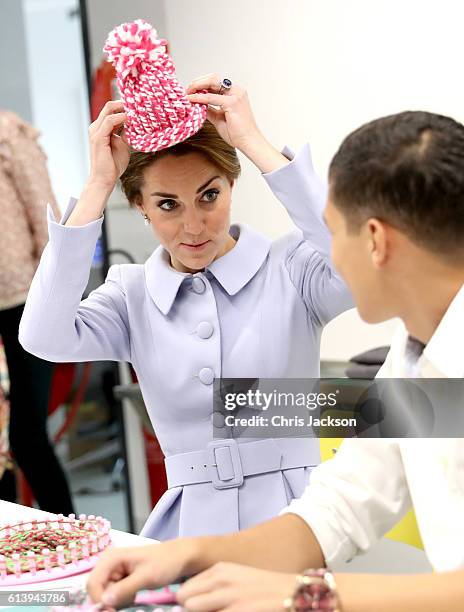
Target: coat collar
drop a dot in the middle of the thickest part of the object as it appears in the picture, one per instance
(233, 270)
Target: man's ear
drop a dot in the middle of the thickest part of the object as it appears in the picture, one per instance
(379, 243)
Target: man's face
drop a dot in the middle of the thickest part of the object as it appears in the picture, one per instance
(359, 255)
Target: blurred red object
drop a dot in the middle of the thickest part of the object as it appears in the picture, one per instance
(61, 392)
(103, 88)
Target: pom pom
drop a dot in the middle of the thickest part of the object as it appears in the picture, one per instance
(131, 44)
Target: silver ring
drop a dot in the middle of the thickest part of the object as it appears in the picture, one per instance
(224, 85)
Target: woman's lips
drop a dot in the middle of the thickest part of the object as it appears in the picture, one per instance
(195, 247)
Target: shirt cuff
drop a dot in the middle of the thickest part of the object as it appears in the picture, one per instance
(72, 246)
(303, 155)
(67, 213)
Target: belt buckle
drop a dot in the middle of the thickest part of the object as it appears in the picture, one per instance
(234, 455)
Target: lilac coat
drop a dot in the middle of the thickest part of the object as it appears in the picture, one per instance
(258, 311)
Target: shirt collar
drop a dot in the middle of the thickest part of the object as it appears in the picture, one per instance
(445, 350)
(233, 270)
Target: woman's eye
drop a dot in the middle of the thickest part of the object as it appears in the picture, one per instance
(210, 195)
(167, 205)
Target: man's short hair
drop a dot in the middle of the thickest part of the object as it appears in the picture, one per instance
(407, 170)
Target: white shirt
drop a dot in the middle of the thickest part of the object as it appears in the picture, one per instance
(356, 497)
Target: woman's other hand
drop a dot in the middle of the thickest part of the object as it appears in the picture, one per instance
(109, 157)
(121, 572)
(231, 114)
(230, 587)
(109, 152)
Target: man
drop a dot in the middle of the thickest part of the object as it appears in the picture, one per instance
(396, 213)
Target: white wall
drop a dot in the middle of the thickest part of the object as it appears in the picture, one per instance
(14, 81)
(104, 15)
(316, 70)
(58, 91)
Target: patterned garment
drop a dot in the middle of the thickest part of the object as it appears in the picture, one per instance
(25, 191)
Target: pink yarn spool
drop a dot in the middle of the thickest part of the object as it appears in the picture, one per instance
(159, 115)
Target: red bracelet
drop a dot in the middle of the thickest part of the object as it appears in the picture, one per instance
(315, 590)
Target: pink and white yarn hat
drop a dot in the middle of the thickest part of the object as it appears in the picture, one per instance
(159, 115)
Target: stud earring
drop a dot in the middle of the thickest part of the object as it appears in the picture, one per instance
(146, 220)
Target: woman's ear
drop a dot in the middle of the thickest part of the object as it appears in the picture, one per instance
(138, 203)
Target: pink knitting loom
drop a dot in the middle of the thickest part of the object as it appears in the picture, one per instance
(42, 550)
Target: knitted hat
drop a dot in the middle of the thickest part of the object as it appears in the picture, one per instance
(158, 113)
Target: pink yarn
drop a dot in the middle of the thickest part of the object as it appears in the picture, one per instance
(158, 113)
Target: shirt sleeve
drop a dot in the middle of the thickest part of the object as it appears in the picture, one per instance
(355, 498)
(56, 325)
(303, 193)
(28, 165)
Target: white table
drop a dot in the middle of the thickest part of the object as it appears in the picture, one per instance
(10, 513)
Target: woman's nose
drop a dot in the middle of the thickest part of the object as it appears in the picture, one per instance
(193, 223)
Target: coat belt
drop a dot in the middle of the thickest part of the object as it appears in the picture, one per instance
(225, 463)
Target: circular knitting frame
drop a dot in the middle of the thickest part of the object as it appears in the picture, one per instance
(159, 115)
(41, 550)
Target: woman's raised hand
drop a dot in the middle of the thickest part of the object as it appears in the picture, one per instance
(109, 153)
(109, 157)
(231, 114)
(233, 117)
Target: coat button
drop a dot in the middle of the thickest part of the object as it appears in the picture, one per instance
(205, 330)
(218, 420)
(198, 284)
(206, 375)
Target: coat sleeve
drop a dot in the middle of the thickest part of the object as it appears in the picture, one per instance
(351, 501)
(304, 194)
(56, 325)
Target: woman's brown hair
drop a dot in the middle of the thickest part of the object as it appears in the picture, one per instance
(206, 141)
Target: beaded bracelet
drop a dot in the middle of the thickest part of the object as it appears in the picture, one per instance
(315, 590)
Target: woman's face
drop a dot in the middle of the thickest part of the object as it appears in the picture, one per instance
(187, 200)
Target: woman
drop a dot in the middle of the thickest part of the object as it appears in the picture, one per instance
(213, 300)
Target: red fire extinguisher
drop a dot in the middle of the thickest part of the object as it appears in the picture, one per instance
(104, 88)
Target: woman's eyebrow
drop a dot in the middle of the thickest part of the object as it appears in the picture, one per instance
(174, 195)
(207, 183)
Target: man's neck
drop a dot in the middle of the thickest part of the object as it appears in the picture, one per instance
(426, 303)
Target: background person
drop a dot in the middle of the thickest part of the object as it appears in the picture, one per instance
(24, 192)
